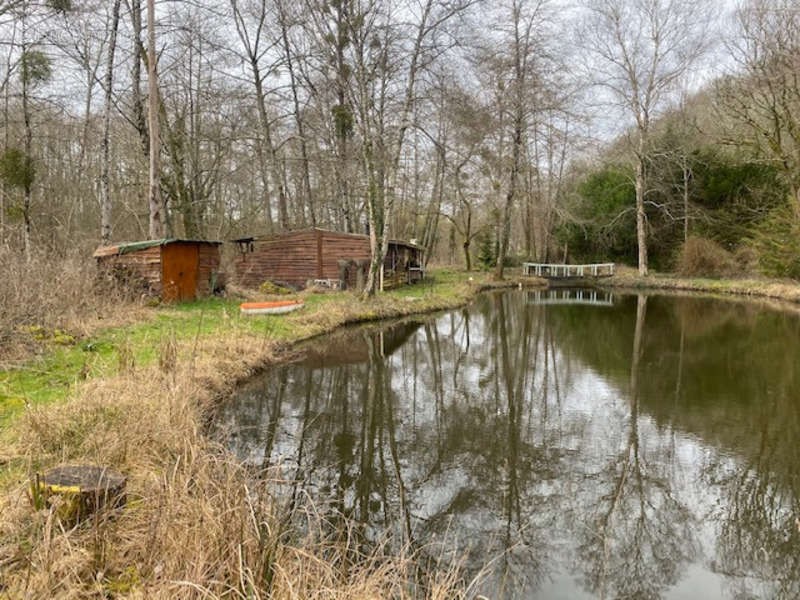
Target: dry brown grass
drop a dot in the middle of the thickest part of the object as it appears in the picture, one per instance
(56, 296)
(785, 290)
(197, 523)
(700, 257)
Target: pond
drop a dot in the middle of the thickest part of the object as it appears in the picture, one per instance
(589, 445)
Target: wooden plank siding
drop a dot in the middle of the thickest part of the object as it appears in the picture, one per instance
(144, 265)
(207, 268)
(341, 246)
(147, 266)
(290, 259)
(294, 258)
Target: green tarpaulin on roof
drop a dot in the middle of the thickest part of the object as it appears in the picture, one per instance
(128, 247)
(136, 246)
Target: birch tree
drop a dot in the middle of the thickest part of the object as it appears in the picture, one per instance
(515, 64)
(432, 18)
(108, 82)
(157, 209)
(640, 51)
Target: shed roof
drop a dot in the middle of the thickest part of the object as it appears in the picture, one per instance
(128, 247)
(296, 231)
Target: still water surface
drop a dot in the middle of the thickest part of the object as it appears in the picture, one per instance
(594, 447)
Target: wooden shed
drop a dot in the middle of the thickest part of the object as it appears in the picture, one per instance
(174, 269)
(340, 259)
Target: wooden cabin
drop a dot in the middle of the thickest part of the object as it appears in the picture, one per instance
(340, 260)
(173, 269)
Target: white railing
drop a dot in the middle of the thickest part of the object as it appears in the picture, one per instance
(557, 271)
(565, 296)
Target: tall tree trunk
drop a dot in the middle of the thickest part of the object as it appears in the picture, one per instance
(265, 183)
(505, 227)
(139, 118)
(343, 117)
(298, 119)
(105, 189)
(686, 176)
(377, 218)
(390, 170)
(6, 97)
(91, 77)
(157, 216)
(431, 228)
(266, 128)
(797, 202)
(27, 192)
(641, 219)
(520, 58)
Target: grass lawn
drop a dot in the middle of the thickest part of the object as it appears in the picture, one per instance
(56, 372)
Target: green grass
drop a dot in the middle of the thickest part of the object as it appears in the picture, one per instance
(54, 375)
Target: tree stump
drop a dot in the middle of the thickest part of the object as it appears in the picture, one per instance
(84, 490)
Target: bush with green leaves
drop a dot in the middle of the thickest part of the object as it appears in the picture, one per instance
(487, 251)
(607, 226)
(776, 241)
(35, 67)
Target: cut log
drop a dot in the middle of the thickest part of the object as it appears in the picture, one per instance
(84, 490)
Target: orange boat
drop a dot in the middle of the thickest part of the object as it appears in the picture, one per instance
(270, 308)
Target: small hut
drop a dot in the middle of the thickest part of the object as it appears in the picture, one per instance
(174, 269)
(313, 255)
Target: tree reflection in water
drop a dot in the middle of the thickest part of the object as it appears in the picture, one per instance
(642, 538)
(614, 452)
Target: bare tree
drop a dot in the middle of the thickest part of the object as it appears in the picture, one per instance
(157, 209)
(253, 28)
(35, 71)
(640, 50)
(514, 65)
(383, 124)
(764, 95)
(286, 22)
(105, 191)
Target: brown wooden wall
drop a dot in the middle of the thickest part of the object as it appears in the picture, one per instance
(288, 259)
(144, 265)
(297, 257)
(207, 266)
(341, 246)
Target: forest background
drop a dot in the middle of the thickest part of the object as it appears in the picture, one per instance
(647, 132)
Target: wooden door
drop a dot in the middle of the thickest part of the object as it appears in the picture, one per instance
(179, 264)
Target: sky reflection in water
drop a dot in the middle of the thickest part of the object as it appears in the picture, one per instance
(642, 449)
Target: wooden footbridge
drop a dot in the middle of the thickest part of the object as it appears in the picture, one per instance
(561, 297)
(561, 271)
